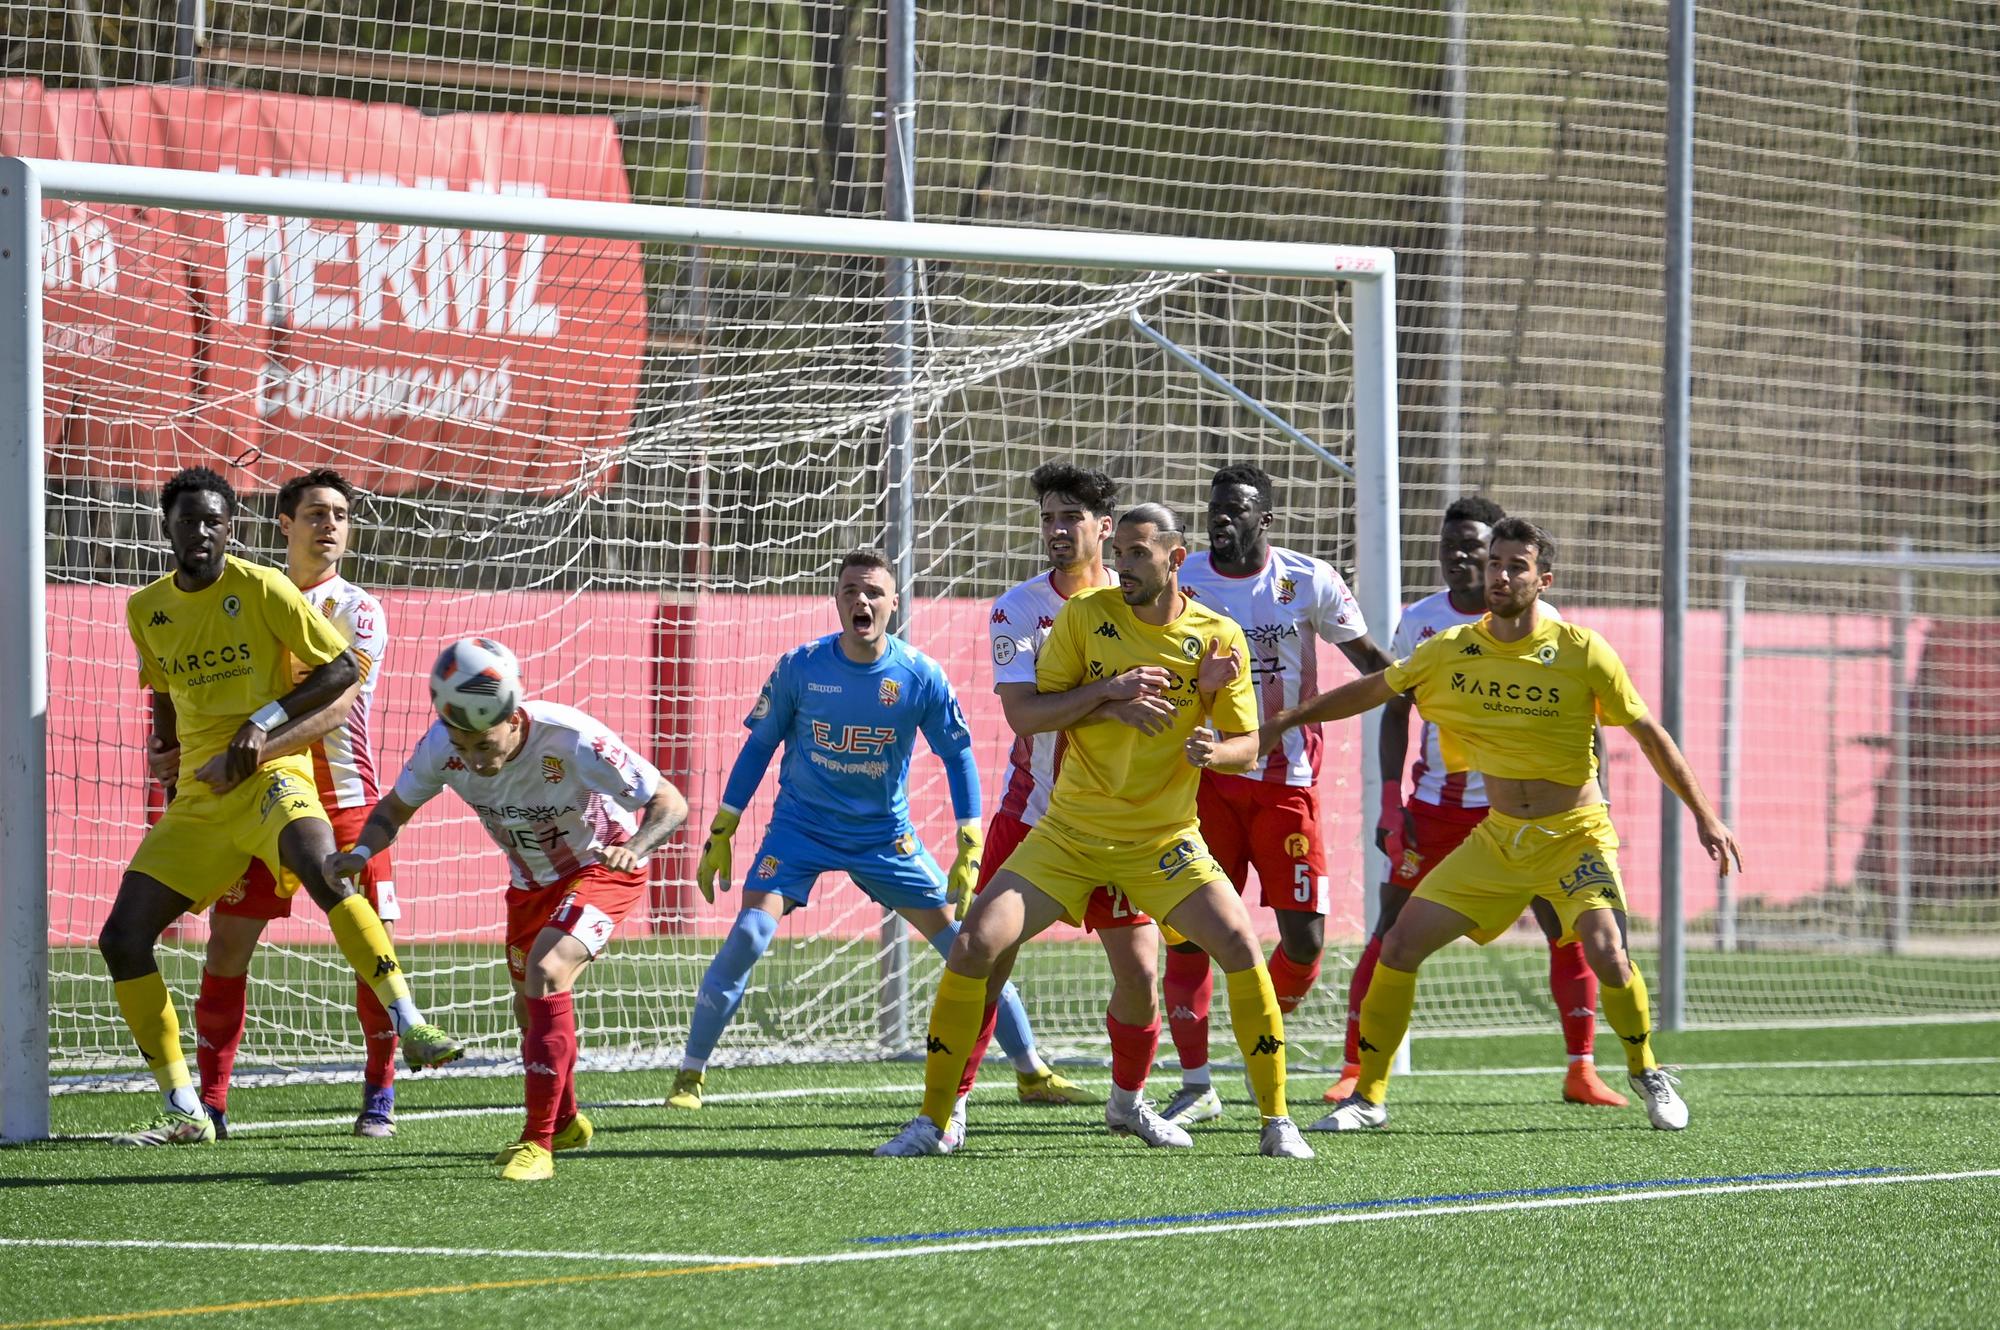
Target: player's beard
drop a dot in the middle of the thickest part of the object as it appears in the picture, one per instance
(1514, 605)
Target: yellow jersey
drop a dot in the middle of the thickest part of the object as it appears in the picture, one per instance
(1113, 781)
(1519, 710)
(224, 651)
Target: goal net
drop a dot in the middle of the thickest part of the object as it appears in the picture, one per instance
(636, 459)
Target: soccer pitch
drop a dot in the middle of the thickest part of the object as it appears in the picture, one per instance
(1845, 1175)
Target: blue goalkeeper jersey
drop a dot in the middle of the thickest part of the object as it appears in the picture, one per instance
(848, 732)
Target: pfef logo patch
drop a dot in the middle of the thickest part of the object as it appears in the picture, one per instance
(768, 867)
(552, 769)
(890, 692)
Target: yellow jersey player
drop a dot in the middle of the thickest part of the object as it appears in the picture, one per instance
(217, 640)
(1516, 696)
(1122, 815)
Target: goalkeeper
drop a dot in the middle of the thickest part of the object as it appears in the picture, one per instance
(847, 707)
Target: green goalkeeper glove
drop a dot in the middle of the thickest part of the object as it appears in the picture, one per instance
(715, 855)
(965, 869)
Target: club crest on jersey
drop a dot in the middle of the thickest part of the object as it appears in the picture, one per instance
(1191, 648)
(768, 867)
(1287, 589)
(1004, 650)
(906, 845)
(890, 692)
(552, 769)
(326, 607)
(231, 606)
(1297, 845)
(1592, 873)
(763, 705)
(1546, 654)
(517, 959)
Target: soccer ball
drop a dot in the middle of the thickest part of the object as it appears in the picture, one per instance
(475, 684)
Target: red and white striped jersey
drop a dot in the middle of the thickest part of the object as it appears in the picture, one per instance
(1018, 626)
(1292, 598)
(572, 791)
(344, 761)
(1432, 782)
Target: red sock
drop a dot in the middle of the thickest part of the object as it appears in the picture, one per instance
(380, 1036)
(1132, 1050)
(1291, 980)
(218, 1031)
(1189, 986)
(1574, 988)
(548, 1051)
(979, 1045)
(1364, 971)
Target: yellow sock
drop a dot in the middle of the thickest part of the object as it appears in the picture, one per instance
(1385, 1019)
(149, 1015)
(366, 945)
(1626, 1010)
(1260, 1033)
(955, 1019)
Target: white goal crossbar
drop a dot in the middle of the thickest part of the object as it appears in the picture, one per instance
(25, 184)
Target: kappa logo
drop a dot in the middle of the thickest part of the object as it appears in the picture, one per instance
(385, 966)
(159, 619)
(1634, 1039)
(454, 763)
(933, 1044)
(1298, 845)
(1267, 1045)
(889, 693)
(999, 615)
(1287, 588)
(1428, 633)
(1592, 873)
(1107, 629)
(1182, 1014)
(552, 769)
(1045, 621)
(1471, 649)
(1364, 1046)
(768, 867)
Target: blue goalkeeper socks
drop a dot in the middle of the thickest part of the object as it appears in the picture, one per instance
(722, 986)
(1010, 1026)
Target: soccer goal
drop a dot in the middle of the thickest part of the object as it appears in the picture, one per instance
(630, 442)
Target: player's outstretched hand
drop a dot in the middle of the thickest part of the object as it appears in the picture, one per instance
(1142, 681)
(1217, 671)
(236, 763)
(1200, 747)
(163, 764)
(1721, 846)
(965, 870)
(343, 864)
(1148, 715)
(714, 867)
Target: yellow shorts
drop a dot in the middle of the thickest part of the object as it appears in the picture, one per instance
(1570, 860)
(1156, 875)
(204, 841)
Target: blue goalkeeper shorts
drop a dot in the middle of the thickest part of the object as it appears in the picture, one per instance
(900, 875)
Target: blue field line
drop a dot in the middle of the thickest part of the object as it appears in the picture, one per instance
(1447, 1198)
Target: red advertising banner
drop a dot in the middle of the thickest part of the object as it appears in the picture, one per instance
(402, 354)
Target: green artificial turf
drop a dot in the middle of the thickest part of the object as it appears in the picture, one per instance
(756, 1175)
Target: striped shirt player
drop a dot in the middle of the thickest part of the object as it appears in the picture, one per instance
(1017, 630)
(1270, 819)
(573, 790)
(343, 760)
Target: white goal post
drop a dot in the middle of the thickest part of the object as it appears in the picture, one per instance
(1368, 274)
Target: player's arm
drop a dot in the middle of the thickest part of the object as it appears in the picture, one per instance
(1366, 655)
(950, 738)
(1133, 698)
(662, 817)
(249, 748)
(1350, 699)
(769, 721)
(1675, 773)
(1232, 753)
(385, 822)
(1394, 753)
(301, 732)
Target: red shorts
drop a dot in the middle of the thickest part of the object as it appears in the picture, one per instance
(1439, 831)
(588, 905)
(256, 896)
(1270, 827)
(1107, 908)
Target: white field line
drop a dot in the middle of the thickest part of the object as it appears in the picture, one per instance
(917, 1089)
(1225, 1227)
